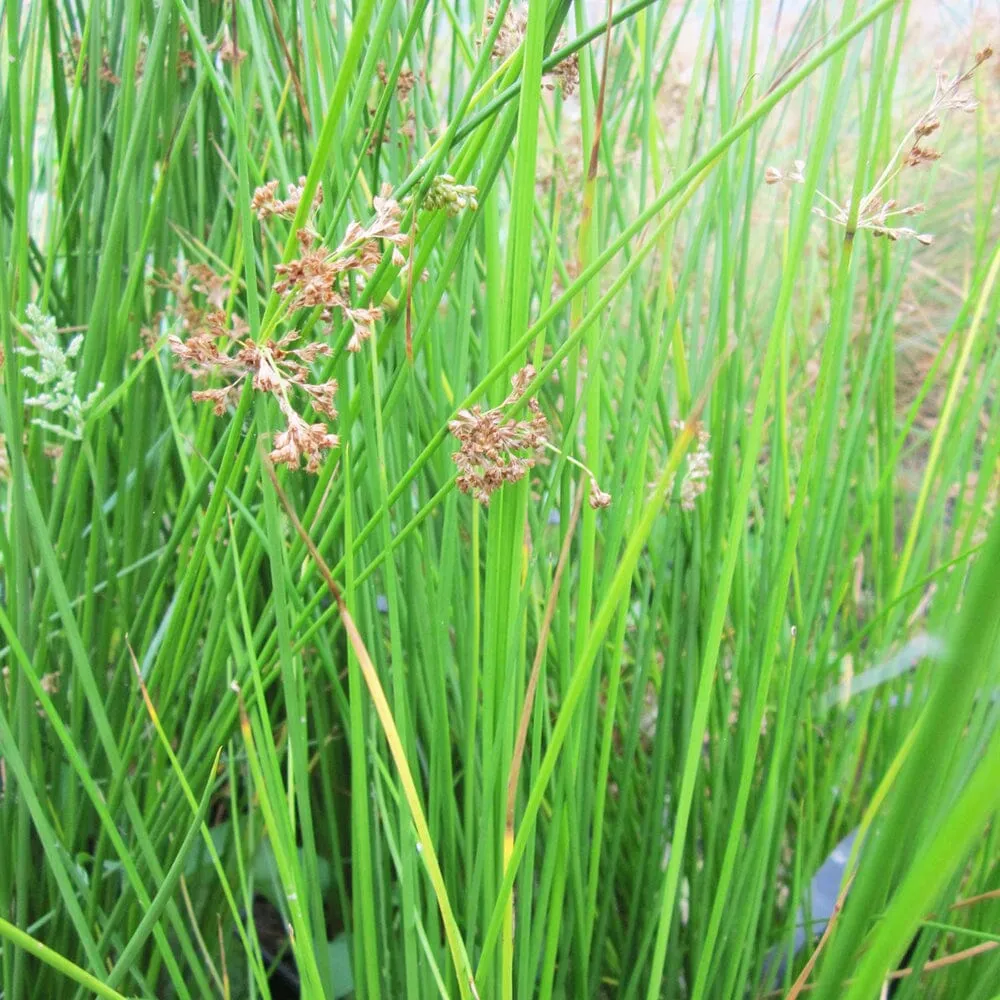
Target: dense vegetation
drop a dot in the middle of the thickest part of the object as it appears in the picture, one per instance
(492, 498)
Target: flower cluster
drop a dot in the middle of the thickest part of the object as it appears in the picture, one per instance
(184, 284)
(318, 278)
(511, 33)
(596, 497)
(230, 52)
(265, 202)
(217, 343)
(274, 367)
(185, 61)
(879, 214)
(405, 82)
(71, 58)
(447, 194)
(54, 376)
(565, 74)
(699, 466)
(49, 683)
(794, 176)
(495, 449)
(880, 217)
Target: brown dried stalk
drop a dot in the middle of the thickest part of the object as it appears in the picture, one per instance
(935, 965)
(800, 983)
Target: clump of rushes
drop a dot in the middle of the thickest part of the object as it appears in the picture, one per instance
(495, 449)
(510, 35)
(217, 344)
(879, 214)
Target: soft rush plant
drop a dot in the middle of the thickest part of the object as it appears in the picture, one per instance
(336, 686)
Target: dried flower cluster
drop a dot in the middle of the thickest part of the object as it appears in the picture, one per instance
(406, 131)
(218, 344)
(881, 217)
(230, 52)
(512, 30)
(879, 214)
(4, 459)
(794, 176)
(565, 74)
(265, 203)
(447, 194)
(699, 466)
(405, 82)
(54, 376)
(318, 278)
(49, 683)
(71, 59)
(495, 449)
(275, 367)
(185, 62)
(597, 498)
(511, 33)
(183, 284)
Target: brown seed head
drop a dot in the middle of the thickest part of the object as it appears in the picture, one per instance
(493, 446)
(229, 52)
(921, 154)
(597, 498)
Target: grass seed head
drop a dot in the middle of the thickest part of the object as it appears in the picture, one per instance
(54, 376)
